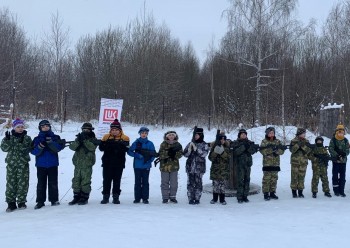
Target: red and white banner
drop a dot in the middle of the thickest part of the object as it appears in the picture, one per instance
(110, 109)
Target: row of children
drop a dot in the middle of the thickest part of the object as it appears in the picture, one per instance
(115, 145)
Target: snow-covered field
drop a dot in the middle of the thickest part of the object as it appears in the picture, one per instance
(287, 222)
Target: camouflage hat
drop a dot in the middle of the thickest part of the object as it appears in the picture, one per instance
(87, 125)
(300, 131)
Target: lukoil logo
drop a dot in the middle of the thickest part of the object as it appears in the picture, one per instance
(110, 114)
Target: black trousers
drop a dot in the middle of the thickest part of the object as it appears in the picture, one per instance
(47, 177)
(338, 177)
(141, 188)
(112, 174)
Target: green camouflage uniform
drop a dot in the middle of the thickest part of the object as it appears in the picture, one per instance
(319, 159)
(17, 169)
(83, 159)
(219, 170)
(271, 151)
(300, 151)
(167, 164)
(242, 151)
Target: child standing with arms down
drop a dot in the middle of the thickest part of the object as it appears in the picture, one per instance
(17, 144)
(144, 153)
(170, 152)
(83, 159)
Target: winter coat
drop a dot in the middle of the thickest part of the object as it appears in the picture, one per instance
(166, 163)
(320, 156)
(143, 152)
(114, 148)
(84, 155)
(17, 147)
(271, 151)
(336, 147)
(301, 151)
(196, 159)
(48, 156)
(219, 169)
(243, 149)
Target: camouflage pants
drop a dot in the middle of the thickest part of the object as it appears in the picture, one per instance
(219, 186)
(194, 186)
(269, 181)
(82, 179)
(17, 182)
(298, 172)
(243, 181)
(317, 173)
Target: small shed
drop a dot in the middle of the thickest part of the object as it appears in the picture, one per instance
(330, 116)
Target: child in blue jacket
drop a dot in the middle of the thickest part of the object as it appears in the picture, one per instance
(45, 149)
(143, 151)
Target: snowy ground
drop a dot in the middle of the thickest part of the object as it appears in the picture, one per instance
(287, 222)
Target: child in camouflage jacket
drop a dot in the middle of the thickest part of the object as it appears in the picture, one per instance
(17, 144)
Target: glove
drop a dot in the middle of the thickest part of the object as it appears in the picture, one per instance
(171, 153)
(274, 149)
(189, 149)
(284, 147)
(138, 156)
(80, 138)
(43, 144)
(7, 135)
(342, 153)
(194, 147)
(219, 150)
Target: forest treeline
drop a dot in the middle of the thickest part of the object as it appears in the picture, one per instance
(268, 68)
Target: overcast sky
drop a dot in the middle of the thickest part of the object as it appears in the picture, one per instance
(198, 21)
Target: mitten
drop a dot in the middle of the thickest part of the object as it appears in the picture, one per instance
(219, 150)
(7, 135)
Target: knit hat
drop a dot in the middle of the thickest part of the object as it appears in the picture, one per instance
(87, 125)
(43, 123)
(340, 127)
(241, 131)
(143, 129)
(300, 131)
(116, 124)
(269, 129)
(318, 138)
(17, 122)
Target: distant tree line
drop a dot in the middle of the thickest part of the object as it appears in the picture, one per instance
(268, 68)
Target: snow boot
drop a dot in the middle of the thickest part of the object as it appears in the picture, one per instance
(300, 193)
(327, 194)
(245, 199)
(215, 198)
(314, 195)
(105, 199)
(116, 199)
(273, 196)
(266, 196)
(336, 191)
(11, 207)
(294, 193)
(55, 203)
(196, 202)
(165, 201)
(39, 205)
(84, 199)
(76, 198)
(342, 194)
(191, 202)
(222, 199)
(173, 200)
(22, 205)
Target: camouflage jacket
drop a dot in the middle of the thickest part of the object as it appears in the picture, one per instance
(17, 147)
(319, 156)
(166, 163)
(300, 149)
(195, 162)
(84, 155)
(271, 151)
(219, 169)
(243, 149)
(336, 147)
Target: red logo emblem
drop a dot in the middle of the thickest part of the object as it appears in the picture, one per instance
(110, 114)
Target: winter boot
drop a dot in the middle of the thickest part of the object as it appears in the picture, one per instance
(11, 207)
(300, 193)
(22, 205)
(342, 194)
(222, 199)
(327, 194)
(191, 202)
(84, 199)
(273, 196)
(314, 195)
(245, 199)
(39, 205)
(55, 203)
(173, 200)
(196, 202)
(165, 201)
(76, 198)
(294, 192)
(105, 199)
(336, 191)
(116, 199)
(215, 198)
(266, 196)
